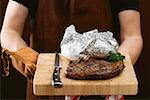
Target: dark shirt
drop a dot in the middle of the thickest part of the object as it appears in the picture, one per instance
(116, 5)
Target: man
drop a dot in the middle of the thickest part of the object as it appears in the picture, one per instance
(54, 15)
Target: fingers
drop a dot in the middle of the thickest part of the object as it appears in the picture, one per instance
(29, 71)
(19, 66)
(23, 60)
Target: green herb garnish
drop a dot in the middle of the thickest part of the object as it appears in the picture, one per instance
(115, 56)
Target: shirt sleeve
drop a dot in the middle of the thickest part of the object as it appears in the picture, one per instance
(31, 5)
(26, 3)
(120, 5)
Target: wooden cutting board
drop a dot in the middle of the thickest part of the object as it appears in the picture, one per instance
(124, 84)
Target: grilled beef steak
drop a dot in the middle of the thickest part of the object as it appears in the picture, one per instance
(94, 69)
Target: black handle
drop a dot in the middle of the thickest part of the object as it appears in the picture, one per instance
(56, 82)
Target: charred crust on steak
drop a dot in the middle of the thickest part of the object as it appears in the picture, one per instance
(94, 69)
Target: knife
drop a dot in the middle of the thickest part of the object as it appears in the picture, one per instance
(56, 81)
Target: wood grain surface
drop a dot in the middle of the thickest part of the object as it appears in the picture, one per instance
(124, 84)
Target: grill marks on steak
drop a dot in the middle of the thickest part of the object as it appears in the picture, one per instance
(94, 69)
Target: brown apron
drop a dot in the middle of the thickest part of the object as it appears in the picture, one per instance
(53, 16)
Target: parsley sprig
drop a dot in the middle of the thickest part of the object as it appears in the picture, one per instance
(115, 56)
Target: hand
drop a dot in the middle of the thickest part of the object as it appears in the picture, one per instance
(24, 60)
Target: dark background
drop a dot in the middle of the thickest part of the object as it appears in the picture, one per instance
(142, 67)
